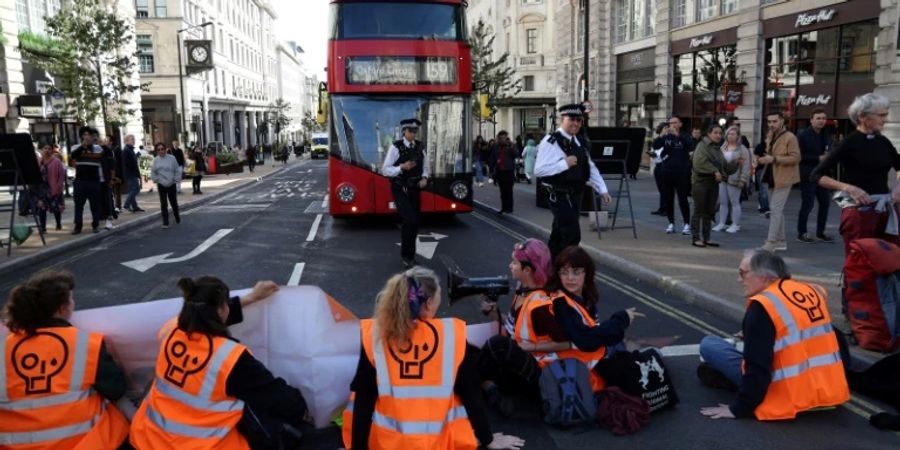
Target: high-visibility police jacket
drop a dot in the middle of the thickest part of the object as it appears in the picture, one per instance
(525, 333)
(47, 400)
(416, 407)
(187, 406)
(807, 371)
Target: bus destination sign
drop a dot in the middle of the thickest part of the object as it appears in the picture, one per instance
(400, 70)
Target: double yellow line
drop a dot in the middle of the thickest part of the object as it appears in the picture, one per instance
(859, 406)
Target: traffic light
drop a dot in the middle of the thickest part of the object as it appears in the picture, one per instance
(484, 105)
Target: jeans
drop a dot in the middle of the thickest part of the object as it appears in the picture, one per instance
(722, 356)
(87, 191)
(729, 195)
(706, 194)
(763, 195)
(776, 219)
(134, 187)
(479, 172)
(168, 194)
(811, 192)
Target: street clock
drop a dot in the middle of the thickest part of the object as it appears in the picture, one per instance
(199, 55)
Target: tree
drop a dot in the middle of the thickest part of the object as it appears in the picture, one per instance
(82, 51)
(491, 76)
(278, 117)
(309, 123)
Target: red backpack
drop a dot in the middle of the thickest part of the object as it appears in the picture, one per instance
(872, 293)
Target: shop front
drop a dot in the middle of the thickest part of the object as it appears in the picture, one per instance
(706, 82)
(821, 58)
(635, 77)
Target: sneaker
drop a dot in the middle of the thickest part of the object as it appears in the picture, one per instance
(109, 225)
(686, 230)
(670, 229)
(95, 230)
(713, 378)
(768, 214)
(137, 210)
(658, 212)
(825, 238)
(165, 227)
(774, 246)
(734, 228)
(719, 227)
(805, 238)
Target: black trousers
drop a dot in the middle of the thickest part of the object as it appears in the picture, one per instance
(168, 194)
(88, 191)
(671, 184)
(502, 361)
(108, 205)
(566, 230)
(195, 182)
(407, 201)
(813, 193)
(657, 177)
(506, 179)
(706, 195)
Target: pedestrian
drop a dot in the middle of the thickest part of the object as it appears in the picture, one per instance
(565, 167)
(733, 121)
(166, 174)
(653, 152)
(575, 309)
(708, 169)
(503, 156)
(503, 363)
(868, 206)
(783, 156)
(178, 153)
(107, 205)
(477, 160)
(131, 173)
(697, 134)
(730, 189)
(209, 401)
(199, 169)
(490, 163)
(814, 144)
(251, 157)
(53, 176)
(119, 184)
(762, 176)
(407, 166)
(62, 383)
(88, 159)
(674, 149)
(529, 155)
(436, 383)
(791, 360)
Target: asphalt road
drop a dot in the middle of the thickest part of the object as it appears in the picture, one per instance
(279, 229)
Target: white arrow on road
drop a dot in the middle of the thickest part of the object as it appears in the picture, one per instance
(145, 264)
(426, 249)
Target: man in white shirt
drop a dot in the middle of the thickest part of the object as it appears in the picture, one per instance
(407, 167)
(565, 167)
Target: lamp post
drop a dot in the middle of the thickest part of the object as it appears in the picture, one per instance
(585, 89)
(184, 128)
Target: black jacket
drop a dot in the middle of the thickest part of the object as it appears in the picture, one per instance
(130, 167)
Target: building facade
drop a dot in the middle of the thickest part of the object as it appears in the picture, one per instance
(526, 30)
(291, 86)
(226, 104)
(706, 60)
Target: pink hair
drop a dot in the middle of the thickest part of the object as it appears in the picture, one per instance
(537, 254)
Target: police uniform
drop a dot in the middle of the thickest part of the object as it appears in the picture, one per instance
(565, 185)
(405, 187)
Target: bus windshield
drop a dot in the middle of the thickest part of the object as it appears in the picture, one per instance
(387, 20)
(320, 141)
(366, 127)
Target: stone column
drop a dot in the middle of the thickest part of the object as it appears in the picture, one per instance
(242, 126)
(251, 127)
(750, 52)
(887, 60)
(228, 127)
(664, 61)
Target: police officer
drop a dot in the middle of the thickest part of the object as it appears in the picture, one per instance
(564, 166)
(407, 167)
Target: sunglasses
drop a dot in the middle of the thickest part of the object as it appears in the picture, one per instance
(572, 272)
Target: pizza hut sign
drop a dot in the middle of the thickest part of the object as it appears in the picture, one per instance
(820, 16)
(701, 41)
(809, 100)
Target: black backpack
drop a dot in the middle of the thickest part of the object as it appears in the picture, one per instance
(566, 392)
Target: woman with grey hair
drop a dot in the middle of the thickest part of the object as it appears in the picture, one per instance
(869, 207)
(730, 188)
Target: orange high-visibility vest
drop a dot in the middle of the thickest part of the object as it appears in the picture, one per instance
(47, 400)
(807, 371)
(187, 406)
(416, 407)
(525, 333)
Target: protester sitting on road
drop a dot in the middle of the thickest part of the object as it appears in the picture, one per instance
(166, 173)
(208, 387)
(416, 384)
(866, 157)
(59, 392)
(791, 361)
(575, 309)
(506, 359)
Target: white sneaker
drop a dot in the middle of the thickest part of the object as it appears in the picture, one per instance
(109, 224)
(670, 229)
(733, 229)
(686, 230)
(719, 227)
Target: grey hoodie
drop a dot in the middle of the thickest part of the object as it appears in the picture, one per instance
(166, 171)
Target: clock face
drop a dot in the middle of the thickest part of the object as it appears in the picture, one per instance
(199, 54)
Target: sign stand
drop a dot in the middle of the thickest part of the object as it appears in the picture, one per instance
(18, 180)
(613, 167)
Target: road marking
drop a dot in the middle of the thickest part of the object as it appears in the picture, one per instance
(428, 248)
(325, 201)
(296, 274)
(681, 350)
(145, 264)
(315, 227)
(856, 404)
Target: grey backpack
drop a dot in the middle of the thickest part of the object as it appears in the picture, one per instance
(566, 392)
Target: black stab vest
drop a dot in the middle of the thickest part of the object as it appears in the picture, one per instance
(575, 177)
(416, 154)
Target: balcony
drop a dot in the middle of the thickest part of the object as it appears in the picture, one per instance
(531, 61)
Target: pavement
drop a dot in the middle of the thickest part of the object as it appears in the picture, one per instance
(279, 229)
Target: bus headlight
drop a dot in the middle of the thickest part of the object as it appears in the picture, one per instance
(459, 190)
(346, 193)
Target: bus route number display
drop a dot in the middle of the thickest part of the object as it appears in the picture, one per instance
(400, 70)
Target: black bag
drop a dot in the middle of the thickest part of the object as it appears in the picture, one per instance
(641, 373)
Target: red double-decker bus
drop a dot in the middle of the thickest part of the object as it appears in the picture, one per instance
(389, 61)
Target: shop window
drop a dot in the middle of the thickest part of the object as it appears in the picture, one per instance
(627, 93)
(859, 39)
(684, 73)
(706, 71)
(819, 44)
(782, 50)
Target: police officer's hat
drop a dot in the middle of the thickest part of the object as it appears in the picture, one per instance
(572, 110)
(411, 124)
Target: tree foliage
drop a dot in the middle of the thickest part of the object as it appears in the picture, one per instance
(278, 116)
(491, 76)
(83, 52)
(309, 124)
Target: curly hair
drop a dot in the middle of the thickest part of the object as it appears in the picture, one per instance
(34, 302)
(394, 307)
